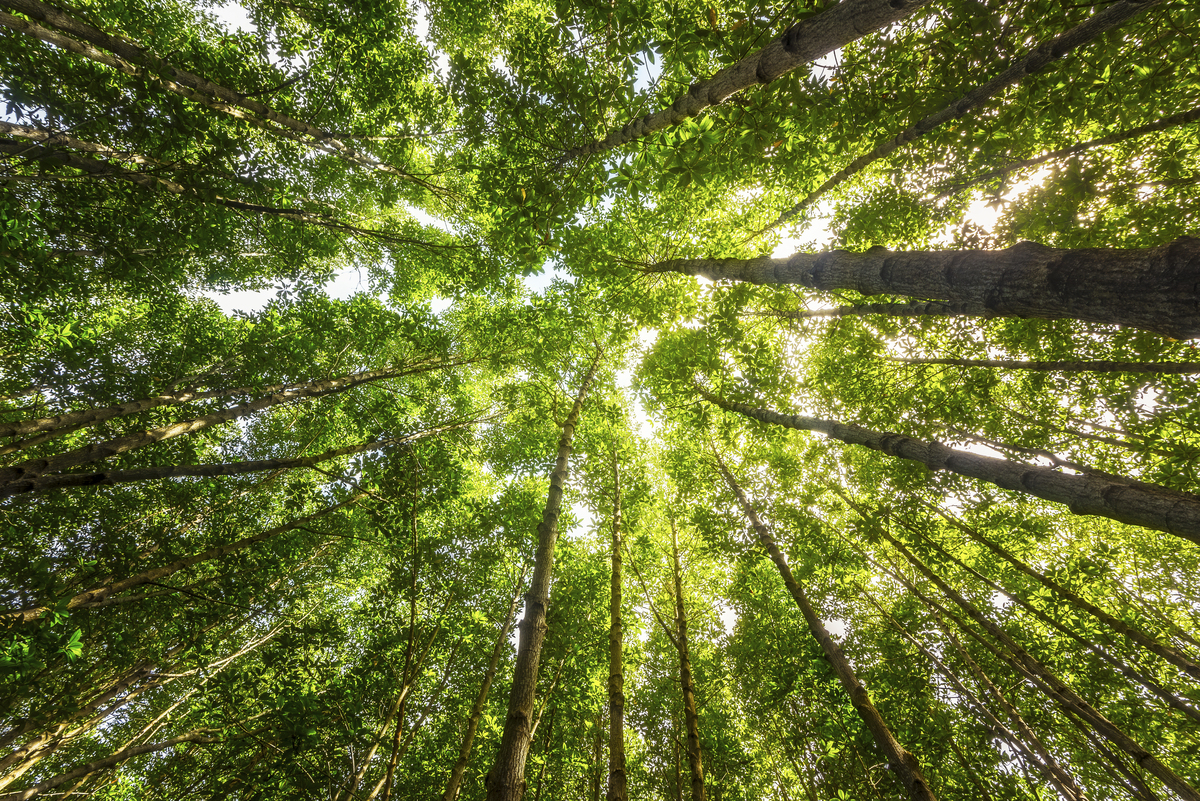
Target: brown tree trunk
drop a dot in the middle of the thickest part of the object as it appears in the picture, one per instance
(597, 753)
(1114, 497)
(464, 752)
(616, 672)
(929, 308)
(506, 779)
(1134, 635)
(1156, 289)
(690, 717)
(113, 477)
(1183, 118)
(905, 765)
(136, 61)
(93, 597)
(1054, 688)
(1159, 368)
(1035, 60)
(801, 44)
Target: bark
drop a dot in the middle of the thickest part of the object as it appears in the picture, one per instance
(1158, 368)
(1134, 635)
(1035, 60)
(1156, 289)
(1122, 499)
(597, 743)
(131, 59)
(464, 752)
(95, 596)
(1051, 685)
(801, 44)
(99, 169)
(506, 779)
(690, 717)
(1167, 697)
(914, 309)
(1183, 118)
(617, 790)
(201, 736)
(902, 762)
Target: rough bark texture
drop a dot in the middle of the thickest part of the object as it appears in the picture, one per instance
(1054, 688)
(95, 596)
(464, 752)
(1173, 120)
(1134, 635)
(1128, 501)
(1155, 289)
(1157, 368)
(916, 309)
(801, 44)
(1035, 60)
(690, 717)
(617, 789)
(135, 60)
(902, 762)
(506, 779)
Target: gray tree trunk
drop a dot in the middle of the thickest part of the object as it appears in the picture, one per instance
(1155, 289)
(617, 790)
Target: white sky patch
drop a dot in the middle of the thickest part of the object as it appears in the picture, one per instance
(985, 211)
(425, 218)
(647, 73)
(825, 68)
(421, 28)
(640, 419)
(729, 619)
(233, 16)
(538, 282)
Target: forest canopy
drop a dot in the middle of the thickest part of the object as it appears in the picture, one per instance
(557, 399)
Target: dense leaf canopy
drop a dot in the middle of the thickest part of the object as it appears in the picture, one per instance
(540, 451)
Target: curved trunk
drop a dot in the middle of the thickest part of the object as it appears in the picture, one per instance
(506, 779)
(1114, 497)
(1155, 289)
(906, 766)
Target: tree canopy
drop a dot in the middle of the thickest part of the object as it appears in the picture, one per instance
(744, 400)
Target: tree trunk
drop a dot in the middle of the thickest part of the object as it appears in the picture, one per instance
(1050, 684)
(905, 765)
(1035, 60)
(1134, 635)
(506, 779)
(1122, 499)
(464, 752)
(1183, 118)
(138, 62)
(1159, 368)
(113, 477)
(616, 672)
(34, 468)
(914, 309)
(1156, 289)
(95, 596)
(801, 44)
(597, 753)
(690, 717)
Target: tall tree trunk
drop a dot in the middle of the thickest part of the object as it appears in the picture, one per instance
(136, 61)
(1183, 118)
(506, 779)
(801, 44)
(690, 717)
(93, 597)
(1158, 368)
(616, 671)
(113, 477)
(464, 752)
(1045, 679)
(913, 309)
(1035, 60)
(1134, 635)
(1114, 497)
(35, 468)
(905, 765)
(597, 753)
(1156, 289)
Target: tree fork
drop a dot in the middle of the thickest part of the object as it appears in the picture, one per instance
(506, 780)
(902, 761)
(1155, 289)
(1126, 500)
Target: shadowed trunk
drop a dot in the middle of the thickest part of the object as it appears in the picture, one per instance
(506, 779)
(1157, 368)
(1122, 499)
(690, 717)
(616, 672)
(1156, 289)
(905, 765)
